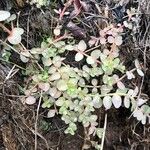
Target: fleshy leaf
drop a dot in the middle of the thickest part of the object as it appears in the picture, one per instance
(102, 40)
(61, 85)
(141, 101)
(17, 31)
(110, 39)
(140, 72)
(105, 89)
(52, 91)
(90, 60)
(145, 109)
(118, 40)
(30, 100)
(47, 62)
(135, 92)
(130, 75)
(69, 47)
(116, 100)
(97, 102)
(4, 15)
(52, 70)
(138, 114)
(96, 54)
(82, 46)
(57, 31)
(60, 101)
(11, 18)
(78, 56)
(94, 82)
(15, 37)
(93, 118)
(44, 86)
(24, 59)
(137, 64)
(57, 95)
(51, 113)
(99, 132)
(126, 101)
(107, 102)
(92, 42)
(55, 76)
(143, 121)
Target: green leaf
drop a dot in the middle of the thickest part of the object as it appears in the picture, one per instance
(49, 52)
(51, 113)
(108, 80)
(123, 91)
(44, 86)
(117, 101)
(46, 61)
(47, 103)
(59, 44)
(105, 89)
(79, 57)
(55, 76)
(62, 85)
(95, 54)
(69, 47)
(60, 101)
(52, 70)
(140, 72)
(146, 109)
(53, 91)
(134, 104)
(93, 118)
(107, 102)
(138, 114)
(118, 40)
(99, 132)
(97, 102)
(15, 37)
(143, 121)
(126, 101)
(24, 59)
(30, 100)
(90, 60)
(4, 15)
(82, 46)
(6, 55)
(71, 129)
(63, 110)
(44, 45)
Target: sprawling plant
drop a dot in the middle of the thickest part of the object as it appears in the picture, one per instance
(76, 93)
(40, 3)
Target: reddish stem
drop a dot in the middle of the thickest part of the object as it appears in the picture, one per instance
(67, 4)
(5, 29)
(61, 38)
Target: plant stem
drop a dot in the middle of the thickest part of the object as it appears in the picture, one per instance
(92, 48)
(67, 4)
(36, 120)
(103, 138)
(5, 29)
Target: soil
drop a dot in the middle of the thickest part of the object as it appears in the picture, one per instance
(17, 120)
